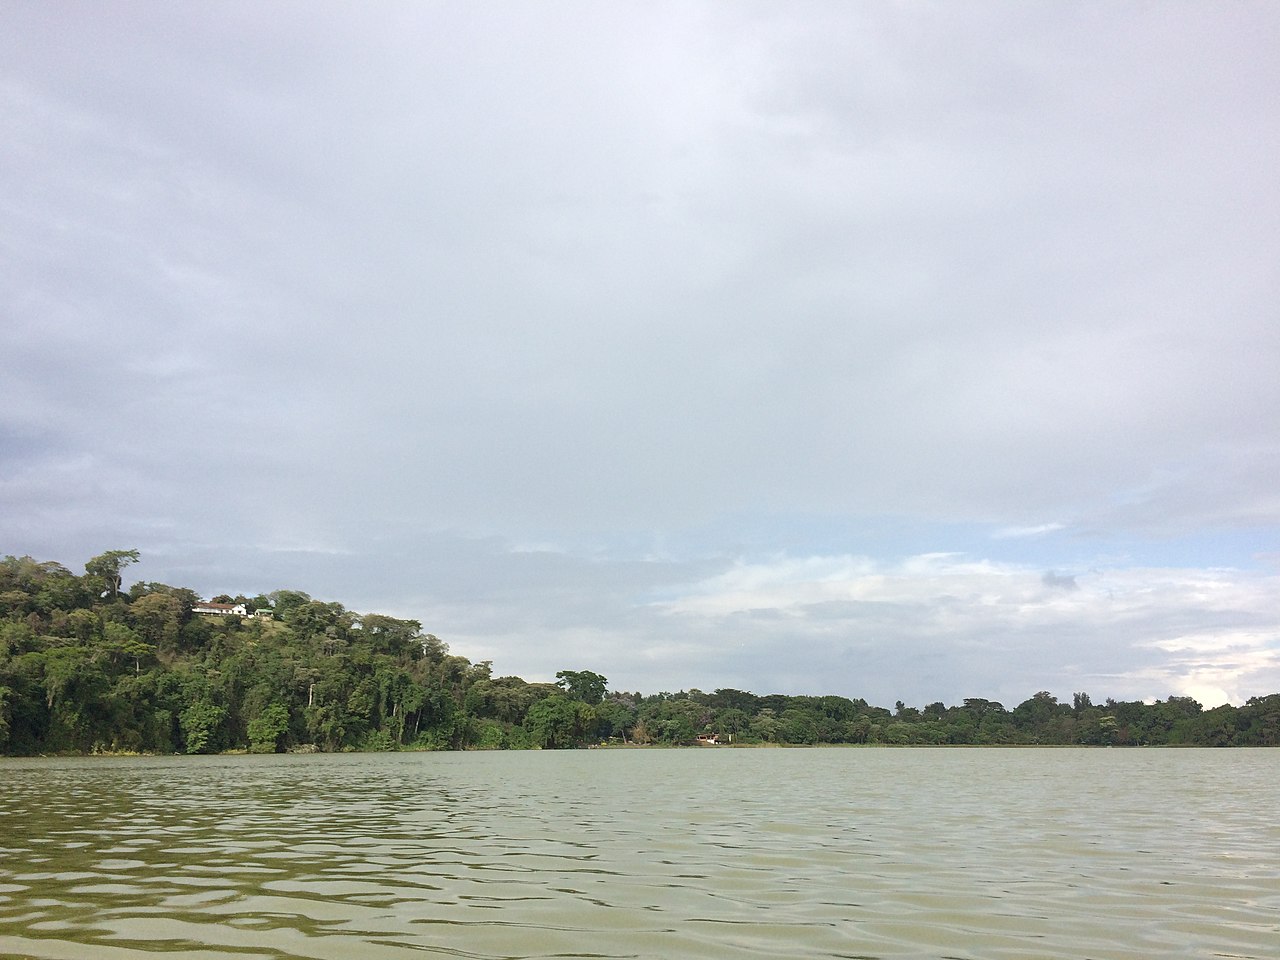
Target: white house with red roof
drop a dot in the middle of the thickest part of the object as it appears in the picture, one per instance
(220, 609)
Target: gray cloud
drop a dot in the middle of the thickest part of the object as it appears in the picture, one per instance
(1059, 581)
(356, 303)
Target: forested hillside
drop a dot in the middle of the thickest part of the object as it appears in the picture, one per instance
(87, 665)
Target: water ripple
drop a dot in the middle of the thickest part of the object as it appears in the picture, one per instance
(684, 854)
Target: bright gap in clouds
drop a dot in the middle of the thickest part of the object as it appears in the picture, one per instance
(946, 620)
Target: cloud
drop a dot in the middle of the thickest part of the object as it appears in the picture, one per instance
(417, 292)
(577, 319)
(941, 625)
(1059, 581)
(1012, 533)
(924, 628)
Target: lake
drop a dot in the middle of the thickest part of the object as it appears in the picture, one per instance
(710, 852)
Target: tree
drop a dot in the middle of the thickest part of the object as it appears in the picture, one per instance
(186, 597)
(389, 635)
(582, 685)
(732, 721)
(282, 601)
(84, 625)
(158, 617)
(798, 726)
(5, 695)
(614, 718)
(61, 591)
(266, 729)
(728, 698)
(75, 687)
(201, 726)
(120, 640)
(676, 720)
(557, 723)
(765, 726)
(14, 601)
(106, 568)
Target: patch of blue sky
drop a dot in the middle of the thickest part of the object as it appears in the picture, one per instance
(891, 539)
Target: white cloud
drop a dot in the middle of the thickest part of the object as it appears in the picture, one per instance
(1125, 628)
(1038, 530)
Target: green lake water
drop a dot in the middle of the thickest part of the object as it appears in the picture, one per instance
(712, 852)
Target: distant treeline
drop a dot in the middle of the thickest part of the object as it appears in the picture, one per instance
(87, 666)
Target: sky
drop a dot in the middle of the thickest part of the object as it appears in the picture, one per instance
(913, 351)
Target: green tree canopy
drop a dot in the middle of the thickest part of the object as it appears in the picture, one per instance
(107, 567)
(582, 685)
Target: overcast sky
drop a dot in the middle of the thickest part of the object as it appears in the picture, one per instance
(904, 351)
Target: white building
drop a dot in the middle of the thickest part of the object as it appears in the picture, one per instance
(221, 609)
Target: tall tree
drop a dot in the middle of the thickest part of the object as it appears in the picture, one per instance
(582, 685)
(107, 568)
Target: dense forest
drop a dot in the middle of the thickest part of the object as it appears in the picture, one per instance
(87, 666)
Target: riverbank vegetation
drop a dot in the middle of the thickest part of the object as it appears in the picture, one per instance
(89, 666)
